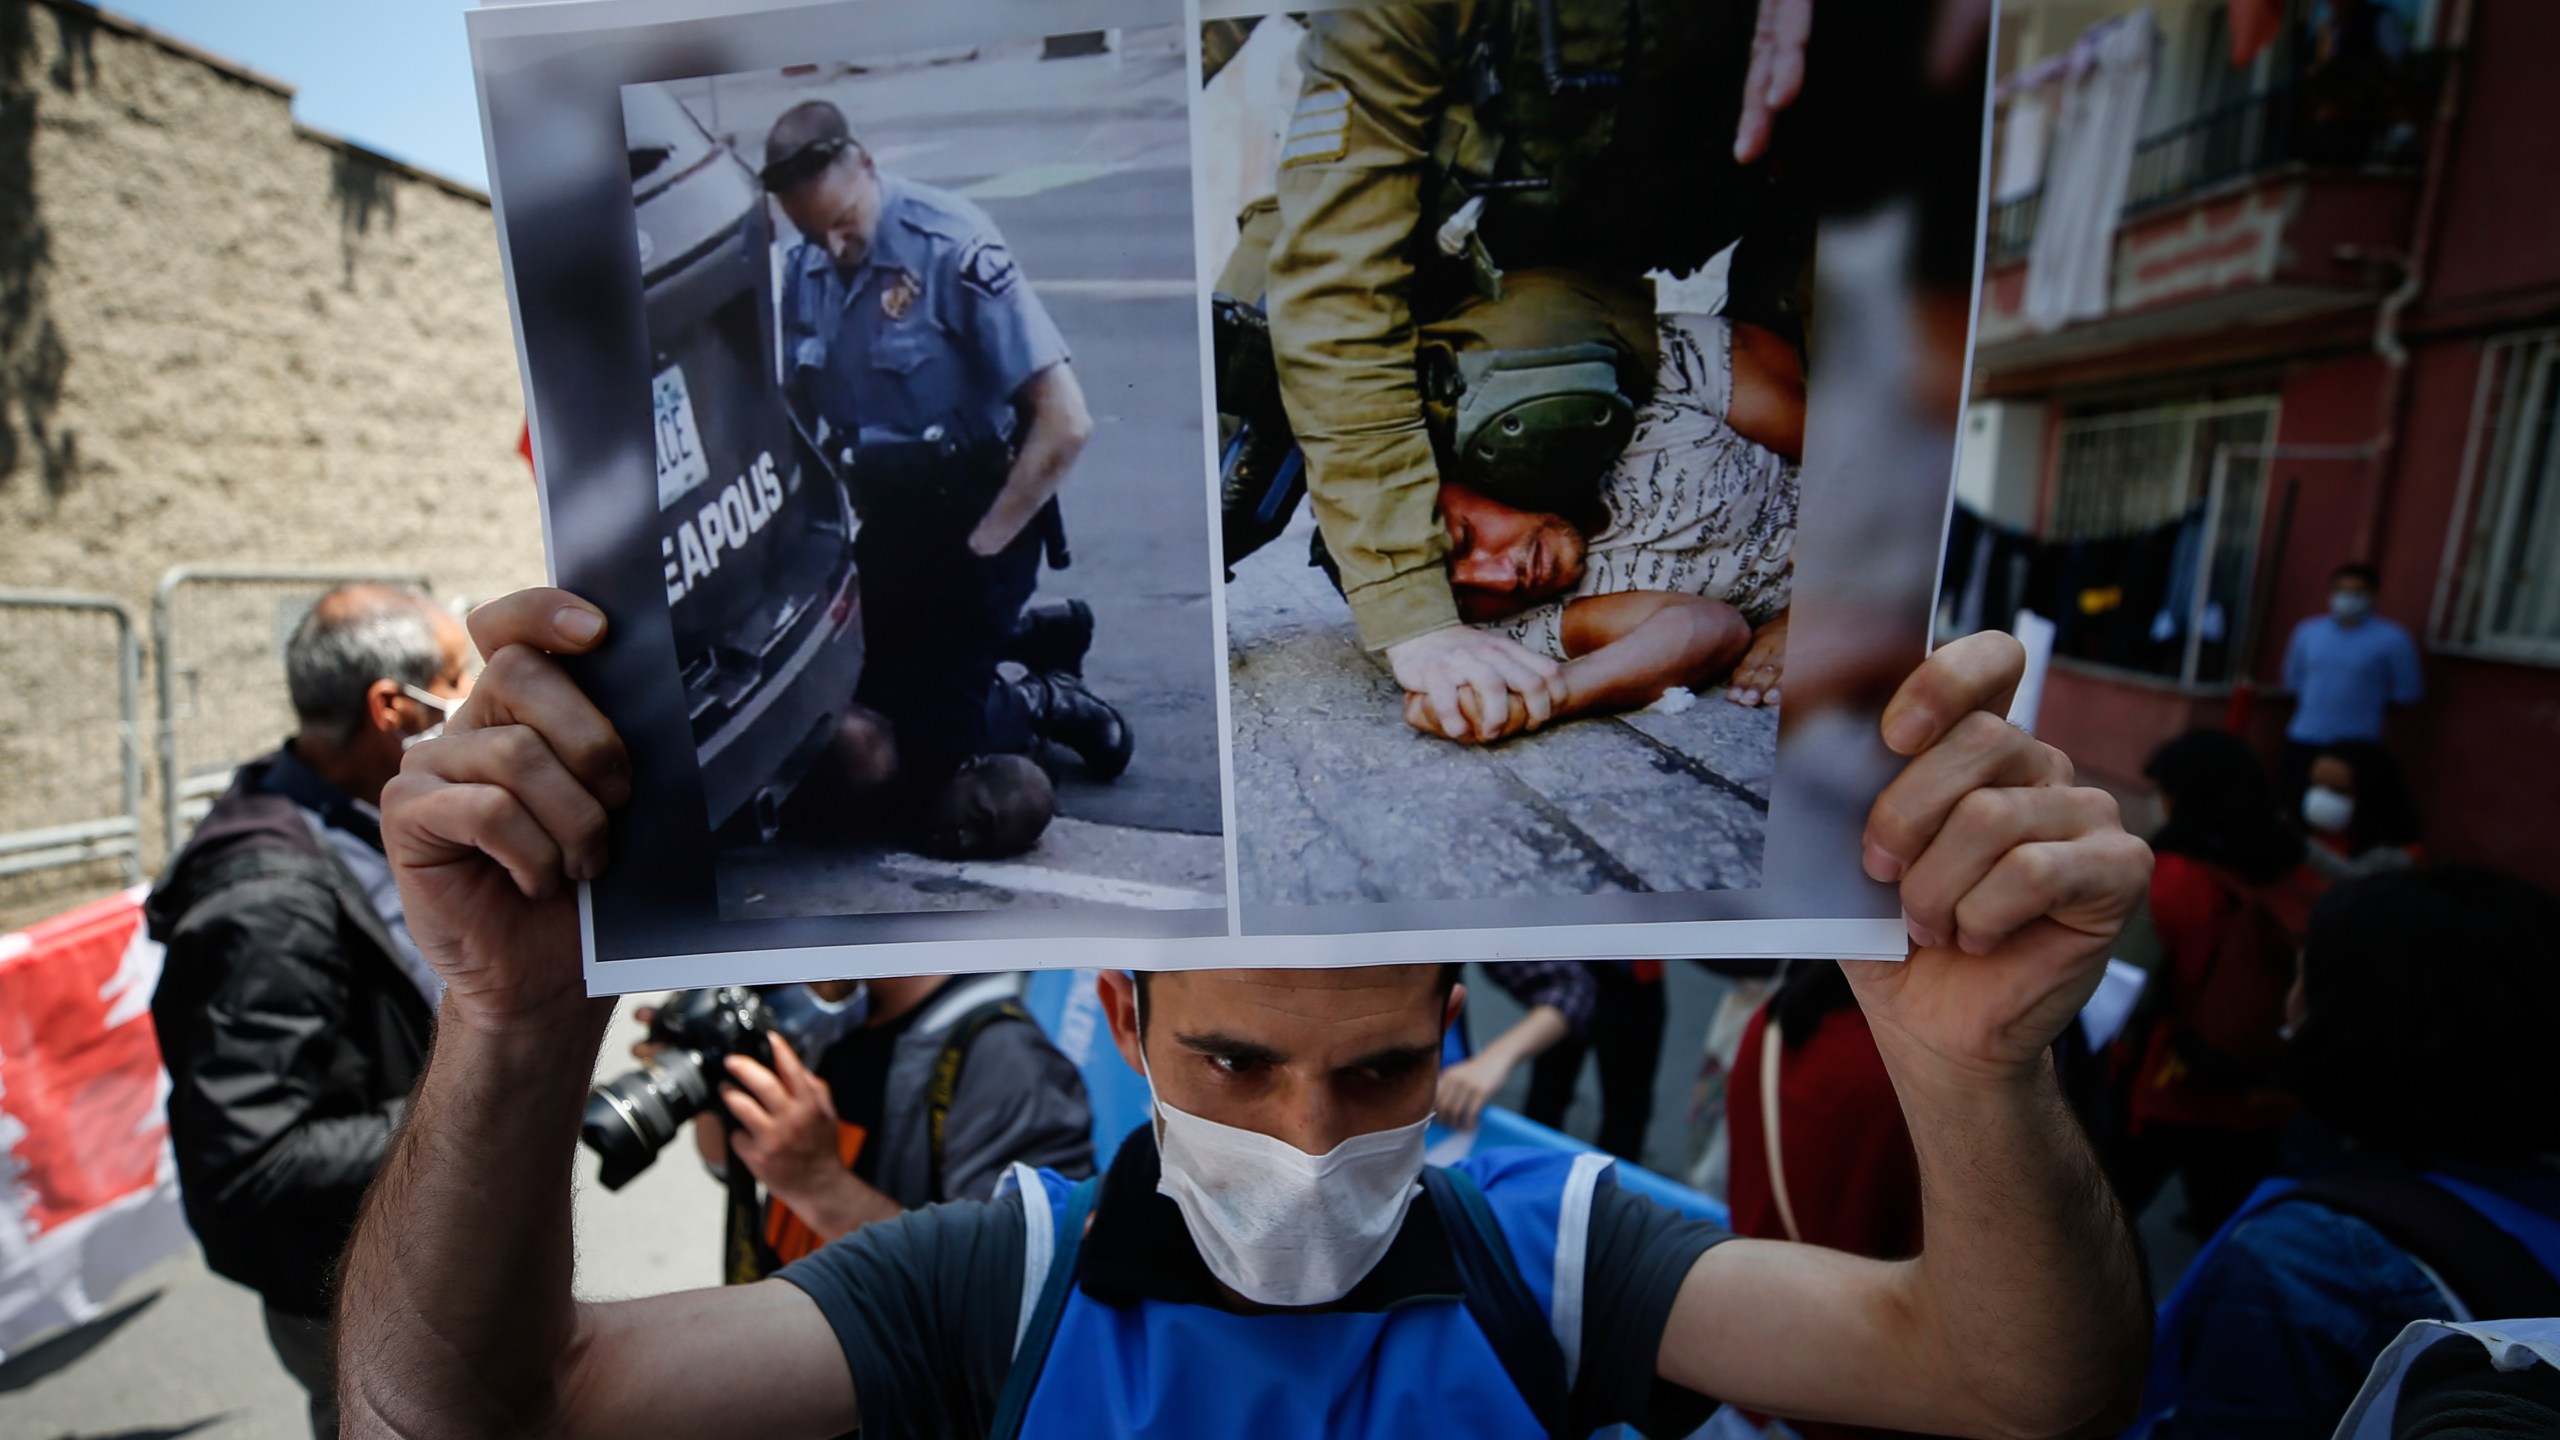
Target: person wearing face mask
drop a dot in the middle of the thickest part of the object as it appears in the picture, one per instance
(2358, 810)
(2202, 1088)
(294, 1010)
(2347, 669)
(1269, 1255)
(918, 1089)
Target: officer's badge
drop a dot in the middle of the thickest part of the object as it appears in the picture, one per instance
(899, 295)
(988, 267)
(1319, 128)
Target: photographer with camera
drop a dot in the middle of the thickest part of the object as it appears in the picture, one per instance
(1271, 1255)
(922, 1089)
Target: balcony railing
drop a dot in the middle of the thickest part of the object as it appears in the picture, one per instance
(2240, 139)
(2264, 132)
(2013, 225)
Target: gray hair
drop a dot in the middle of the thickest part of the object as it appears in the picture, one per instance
(354, 635)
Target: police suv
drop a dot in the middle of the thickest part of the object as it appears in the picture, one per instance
(755, 531)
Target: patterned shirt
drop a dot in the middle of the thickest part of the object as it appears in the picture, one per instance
(1694, 508)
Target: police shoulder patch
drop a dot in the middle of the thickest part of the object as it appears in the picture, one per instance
(987, 266)
(1319, 128)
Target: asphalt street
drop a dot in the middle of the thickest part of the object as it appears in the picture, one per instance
(1342, 802)
(1082, 164)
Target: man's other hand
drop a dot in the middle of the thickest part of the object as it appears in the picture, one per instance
(487, 825)
(787, 1131)
(1777, 73)
(1469, 1086)
(2014, 880)
(1435, 667)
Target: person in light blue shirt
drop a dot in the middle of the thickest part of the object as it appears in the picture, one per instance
(920, 363)
(2346, 670)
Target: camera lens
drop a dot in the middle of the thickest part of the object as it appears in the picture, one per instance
(628, 1120)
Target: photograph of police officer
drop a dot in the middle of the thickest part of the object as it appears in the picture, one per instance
(924, 373)
(1509, 334)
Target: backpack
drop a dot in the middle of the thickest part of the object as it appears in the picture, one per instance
(2229, 1027)
(2492, 1272)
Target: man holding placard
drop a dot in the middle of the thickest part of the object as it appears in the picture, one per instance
(1321, 1279)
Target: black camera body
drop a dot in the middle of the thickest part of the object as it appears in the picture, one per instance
(630, 1119)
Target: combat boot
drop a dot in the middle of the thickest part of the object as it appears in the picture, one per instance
(1052, 638)
(1066, 714)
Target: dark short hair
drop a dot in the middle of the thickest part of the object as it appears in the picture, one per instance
(2428, 1004)
(803, 142)
(1448, 981)
(352, 636)
(2357, 570)
(2221, 810)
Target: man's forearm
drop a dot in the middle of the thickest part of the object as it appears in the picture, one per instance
(1051, 442)
(457, 1317)
(1676, 640)
(2028, 1278)
(1032, 482)
(842, 1206)
(1533, 1035)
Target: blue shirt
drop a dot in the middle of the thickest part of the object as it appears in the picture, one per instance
(2344, 676)
(936, 326)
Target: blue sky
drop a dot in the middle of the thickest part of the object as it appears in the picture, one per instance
(391, 75)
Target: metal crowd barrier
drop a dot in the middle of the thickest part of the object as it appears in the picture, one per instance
(71, 812)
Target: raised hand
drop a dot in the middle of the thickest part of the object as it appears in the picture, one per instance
(488, 825)
(1777, 73)
(786, 1125)
(2014, 880)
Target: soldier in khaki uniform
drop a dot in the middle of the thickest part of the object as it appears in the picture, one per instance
(1500, 175)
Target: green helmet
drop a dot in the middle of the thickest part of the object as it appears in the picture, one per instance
(1532, 397)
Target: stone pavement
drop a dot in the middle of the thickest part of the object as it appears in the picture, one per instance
(1340, 801)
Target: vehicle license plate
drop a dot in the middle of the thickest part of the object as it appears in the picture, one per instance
(681, 464)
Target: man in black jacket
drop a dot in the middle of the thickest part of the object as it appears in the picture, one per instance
(294, 1012)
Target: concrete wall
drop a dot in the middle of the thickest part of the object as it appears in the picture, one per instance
(243, 341)
(224, 339)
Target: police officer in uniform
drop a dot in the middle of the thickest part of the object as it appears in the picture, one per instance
(1469, 199)
(917, 357)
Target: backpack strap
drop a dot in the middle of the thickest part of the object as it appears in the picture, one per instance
(1499, 1298)
(1049, 1273)
(944, 1086)
(2490, 1271)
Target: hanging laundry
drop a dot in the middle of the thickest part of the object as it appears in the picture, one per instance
(2106, 84)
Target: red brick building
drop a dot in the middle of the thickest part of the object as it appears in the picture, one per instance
(2324, 326)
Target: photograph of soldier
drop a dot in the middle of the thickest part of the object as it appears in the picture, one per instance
(1015, 700)
(1515, 300)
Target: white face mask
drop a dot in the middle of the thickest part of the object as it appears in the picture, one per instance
(2350, 604)
(1278, 1225)
(2327, 810)
(814, 1022)
(442, 705)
